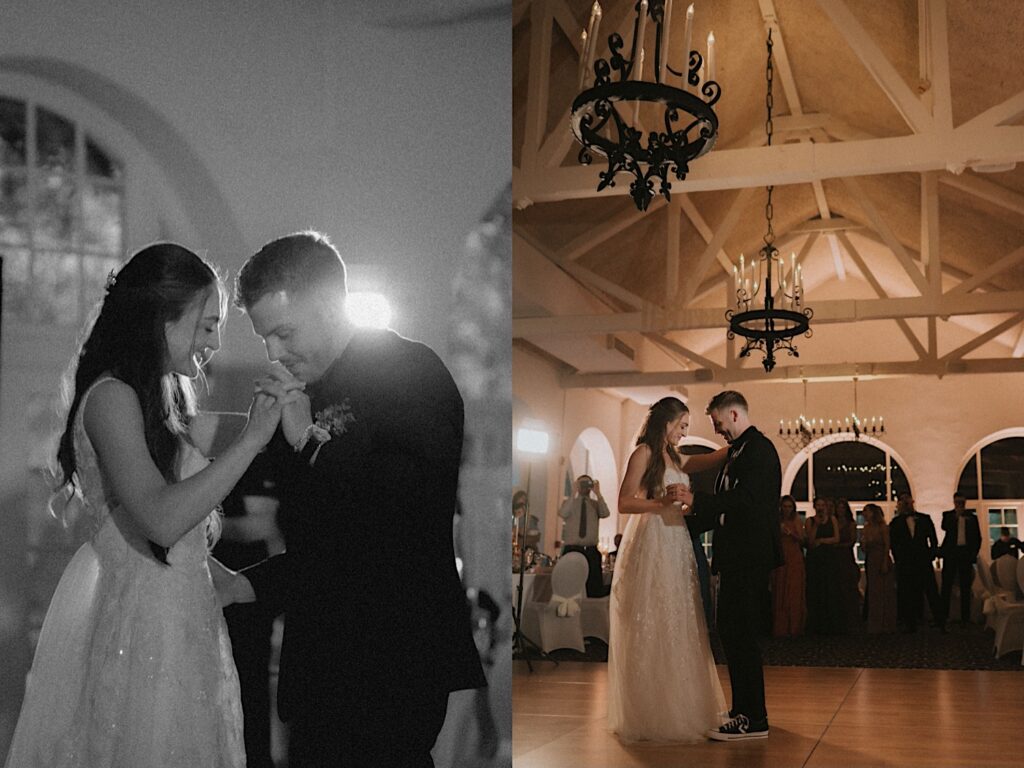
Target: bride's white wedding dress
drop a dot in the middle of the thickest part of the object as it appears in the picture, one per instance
(133, 667)
(662, 682)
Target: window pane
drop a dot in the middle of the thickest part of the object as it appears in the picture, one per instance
(799, 489)
(13, 207)
(101, 218)
(17, 282)
(850, 470)
(968, 484)
(55, 142)
(95, 270)
(99, 163)
(55, 212)
(55, 278)
(995, 518)
(1010, 517)
(12, 132)
(1002, 469)
(900, 484)
(993, 533)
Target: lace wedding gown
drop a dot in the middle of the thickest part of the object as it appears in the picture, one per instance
(662, 682)
(133, 667)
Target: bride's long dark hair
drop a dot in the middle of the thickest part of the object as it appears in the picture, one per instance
(127, 340)
(653, 434)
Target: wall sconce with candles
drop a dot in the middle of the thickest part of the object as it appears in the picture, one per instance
(602, 128)
(799, 432)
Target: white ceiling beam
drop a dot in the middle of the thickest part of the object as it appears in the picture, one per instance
(725, 229)
(986, 190)
(592, 238)
(698, 222)
(678, 349)
(930, 251)
(987, 336)
(652, 320)
(933, 34)
(880, 292)
(903, 98)
(785, 72)
(1008, 261)
(1005, 112)
(538, 81)
(794, 164)
(825, 225)
(798, 372)
(882, 228)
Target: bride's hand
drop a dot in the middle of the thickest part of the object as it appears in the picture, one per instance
(231, 586)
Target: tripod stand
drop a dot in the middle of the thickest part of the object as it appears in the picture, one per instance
(520, 642)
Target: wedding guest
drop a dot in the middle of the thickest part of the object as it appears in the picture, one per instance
(959, 552)
(846, 562)
(914, 546)
(582, 513)
(789, 580)
(1005, 545)
(880, 592)
(824, 606)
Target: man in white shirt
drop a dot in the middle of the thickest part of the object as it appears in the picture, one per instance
(581, 514)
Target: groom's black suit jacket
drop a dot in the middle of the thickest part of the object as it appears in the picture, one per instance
(748, 490)
(372, 599)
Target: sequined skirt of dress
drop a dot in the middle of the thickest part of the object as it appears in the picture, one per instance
(133, 668)
(662, 681)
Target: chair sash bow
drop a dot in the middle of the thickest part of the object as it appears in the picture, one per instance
(565, 607)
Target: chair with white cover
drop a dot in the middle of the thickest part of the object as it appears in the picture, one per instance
(558, 623)
(1007, 616)
(989, 592)
(594, 616)
(1006, 575)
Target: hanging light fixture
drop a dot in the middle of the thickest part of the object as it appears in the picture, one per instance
(772, 327)
(799, 432)
(602, 126)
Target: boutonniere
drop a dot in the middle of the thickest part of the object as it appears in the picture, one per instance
(335, 418)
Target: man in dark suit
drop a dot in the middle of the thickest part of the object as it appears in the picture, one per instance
(959, 553)
(744, 514)
(369, 448)
(914, 546)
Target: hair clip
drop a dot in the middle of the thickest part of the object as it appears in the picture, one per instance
(111, 280)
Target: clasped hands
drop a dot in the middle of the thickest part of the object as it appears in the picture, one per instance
(287, 390)
(680, 493)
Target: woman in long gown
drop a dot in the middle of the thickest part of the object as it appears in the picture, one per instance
(133, 666)
(662, 681)
(880, 593)
(824, 603)
(789, 580)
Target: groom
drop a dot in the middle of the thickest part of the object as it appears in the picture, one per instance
(744, 514)
(377, 625)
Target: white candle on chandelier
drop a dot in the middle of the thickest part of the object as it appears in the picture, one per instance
(638, 43)
(583, 59)
(636, 104)
(735, 280)
(711, 55)
(665, 30)
(592, 38)
(792, 270)
(687, 33)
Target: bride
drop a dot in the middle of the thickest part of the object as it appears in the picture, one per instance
(663, 685)
(133, 666)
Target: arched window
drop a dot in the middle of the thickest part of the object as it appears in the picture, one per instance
(993, 478)
(859, 471)
(62, 215)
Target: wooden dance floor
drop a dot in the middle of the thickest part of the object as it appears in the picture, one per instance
(820, 717)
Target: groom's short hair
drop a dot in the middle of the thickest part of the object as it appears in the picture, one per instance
(728, 398)
(297, 263)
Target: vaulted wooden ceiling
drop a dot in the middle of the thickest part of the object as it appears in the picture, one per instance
(898, 128)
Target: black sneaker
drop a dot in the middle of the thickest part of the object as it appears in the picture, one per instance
(740, 727)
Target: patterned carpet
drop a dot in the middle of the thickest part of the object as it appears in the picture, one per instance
(969, 647)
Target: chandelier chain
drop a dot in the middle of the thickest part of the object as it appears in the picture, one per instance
(769, 102)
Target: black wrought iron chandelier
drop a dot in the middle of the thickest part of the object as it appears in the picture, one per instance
(690, 123)
(771, 327)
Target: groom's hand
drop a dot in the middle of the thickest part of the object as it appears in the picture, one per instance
(297, 415)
